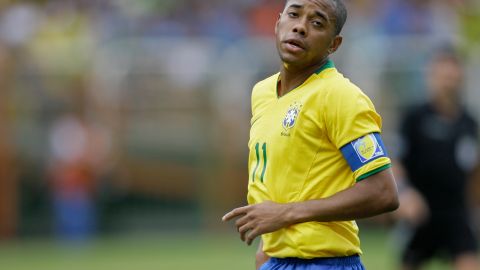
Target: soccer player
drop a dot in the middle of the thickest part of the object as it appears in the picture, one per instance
(317, 161)
(440, 151)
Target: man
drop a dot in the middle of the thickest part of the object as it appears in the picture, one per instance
(440, 152)
(317, 161)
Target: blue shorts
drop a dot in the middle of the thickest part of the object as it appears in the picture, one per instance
(335, 263)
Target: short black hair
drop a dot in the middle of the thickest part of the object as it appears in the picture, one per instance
(446, 51)
(340, 12)
(340, 15)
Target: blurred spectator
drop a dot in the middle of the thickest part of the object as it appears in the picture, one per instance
(63, 42)
(18, 23)
(77, 152)
(408, 29)
(263, 17)
(470, 20)
(173, 20)
(362, 16)
(225, 22)
(430, 19)
(440, 152)
(407, 17)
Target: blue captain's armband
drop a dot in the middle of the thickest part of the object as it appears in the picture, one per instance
(363, 150)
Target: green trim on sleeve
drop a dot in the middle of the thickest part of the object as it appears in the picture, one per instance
(384, 167)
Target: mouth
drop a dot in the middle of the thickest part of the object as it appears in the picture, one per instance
(295, 44)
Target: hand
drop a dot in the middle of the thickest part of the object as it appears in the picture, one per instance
(257, 219)
(413, 207)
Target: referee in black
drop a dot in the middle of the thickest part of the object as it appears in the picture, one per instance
(440, 151)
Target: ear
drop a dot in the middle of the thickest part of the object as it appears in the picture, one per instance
(276, 24)
(336, 42)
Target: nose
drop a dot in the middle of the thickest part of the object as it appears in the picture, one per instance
(300, 29)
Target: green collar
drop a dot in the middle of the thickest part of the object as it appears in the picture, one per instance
(328, 64)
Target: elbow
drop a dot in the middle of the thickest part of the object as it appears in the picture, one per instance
(390, 201)
(381, 192)
(392, 204)
(388, 194)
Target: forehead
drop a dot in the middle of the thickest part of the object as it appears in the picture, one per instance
(322, 5)
(444, 61)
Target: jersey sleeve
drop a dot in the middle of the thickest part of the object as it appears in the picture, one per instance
(366, 156)
(354, 127)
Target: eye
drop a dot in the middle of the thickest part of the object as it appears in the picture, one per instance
(317, 23)
(292, 14)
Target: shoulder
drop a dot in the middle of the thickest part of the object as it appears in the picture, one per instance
(416, 111)
(339, 90)
(349, 114)
(263, 92)
(265, 85)
(470, 122)
(468, 116)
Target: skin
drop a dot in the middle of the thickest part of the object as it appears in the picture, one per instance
(305, 37)
(445, 79)
(374, 195)
(309, 24)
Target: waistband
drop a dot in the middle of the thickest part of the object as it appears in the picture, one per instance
(348, 260)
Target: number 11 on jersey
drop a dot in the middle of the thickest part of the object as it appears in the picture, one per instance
(264, 156)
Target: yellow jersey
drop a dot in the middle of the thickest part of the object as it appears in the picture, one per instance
(317, 140)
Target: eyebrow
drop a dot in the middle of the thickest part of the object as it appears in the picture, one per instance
(318, 13)
(296, 6)
(321, 15)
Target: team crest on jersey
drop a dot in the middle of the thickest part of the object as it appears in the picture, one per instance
(367, 148)
(290, 118)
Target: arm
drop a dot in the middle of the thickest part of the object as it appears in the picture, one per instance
(374, 195)
(474, 188)
(260, 257)
(413, 208)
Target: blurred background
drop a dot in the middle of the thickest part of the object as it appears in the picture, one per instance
(124, 124)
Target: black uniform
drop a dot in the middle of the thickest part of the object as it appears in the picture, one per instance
(438, 156)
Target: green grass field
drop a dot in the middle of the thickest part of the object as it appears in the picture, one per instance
(177, 251)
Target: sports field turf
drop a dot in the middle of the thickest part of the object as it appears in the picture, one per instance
(176, 251)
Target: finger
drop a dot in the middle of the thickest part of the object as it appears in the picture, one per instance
(241, 221)
(234, 213)
(243, 231)
(251, 236)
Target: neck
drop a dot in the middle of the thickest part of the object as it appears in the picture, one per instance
(448, 107)
(291, 77)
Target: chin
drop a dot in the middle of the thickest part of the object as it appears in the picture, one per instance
(291, 60)
(295, 64)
